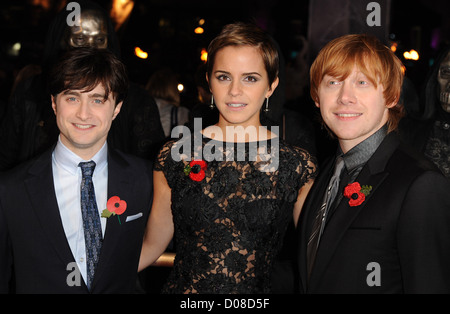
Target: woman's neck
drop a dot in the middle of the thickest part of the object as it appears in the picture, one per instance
(238, 133)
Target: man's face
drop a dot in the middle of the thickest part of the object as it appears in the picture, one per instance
(444, 83)
(92, 31)
(353, 108)
(84, 119)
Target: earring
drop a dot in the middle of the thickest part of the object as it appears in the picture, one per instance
(211, 106)
(266, 110)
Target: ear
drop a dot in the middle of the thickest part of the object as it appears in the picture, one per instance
(272, 88)
(53, 103)
(317, 104)
(117, 109)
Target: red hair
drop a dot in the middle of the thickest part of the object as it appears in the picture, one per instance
(378, 63)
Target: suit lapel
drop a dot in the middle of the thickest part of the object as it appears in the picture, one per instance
(373, 173)
(119, 184)
(40, 188)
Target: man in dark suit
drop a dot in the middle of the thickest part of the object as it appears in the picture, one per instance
(386, 229)
(64, 228)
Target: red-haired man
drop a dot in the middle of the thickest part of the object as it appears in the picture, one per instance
(386, 228)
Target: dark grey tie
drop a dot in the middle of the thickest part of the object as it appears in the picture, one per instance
(91, 220)
(319, 221)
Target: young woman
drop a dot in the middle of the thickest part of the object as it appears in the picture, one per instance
(228, 192)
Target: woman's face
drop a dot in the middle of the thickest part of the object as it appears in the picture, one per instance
(239, 84)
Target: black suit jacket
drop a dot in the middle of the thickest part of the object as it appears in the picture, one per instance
(33, 246)
(396, 241)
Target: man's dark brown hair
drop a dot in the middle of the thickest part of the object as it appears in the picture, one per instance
(85, 68)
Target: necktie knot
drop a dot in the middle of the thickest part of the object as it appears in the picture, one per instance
(334, 182)
(87, 168)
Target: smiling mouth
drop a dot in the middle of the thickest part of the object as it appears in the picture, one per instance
(348, 115)
(83, 126)
(236, 105)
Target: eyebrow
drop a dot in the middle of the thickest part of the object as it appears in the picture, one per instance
(359, 73)
(74, 93)
(243, 74)
(97, 95)
(252, 73)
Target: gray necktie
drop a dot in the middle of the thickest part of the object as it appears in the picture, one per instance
(319, 221)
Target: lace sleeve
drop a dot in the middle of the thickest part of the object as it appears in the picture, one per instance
(162, 157)
(305, 164)
(166, 163)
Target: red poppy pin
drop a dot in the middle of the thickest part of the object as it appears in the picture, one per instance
(114, 206)
(356, 194)
(195, 170)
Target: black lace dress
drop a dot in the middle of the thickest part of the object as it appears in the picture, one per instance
(230, 211)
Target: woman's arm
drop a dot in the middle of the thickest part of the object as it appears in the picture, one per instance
(304, 190)
(159, 230)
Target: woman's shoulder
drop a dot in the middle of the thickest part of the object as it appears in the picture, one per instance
(167, 145)
(164, 154)
(295, 150)
(299, 158)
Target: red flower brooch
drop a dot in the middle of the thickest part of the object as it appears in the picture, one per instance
(356, 193)
(196, 170)
(114, 206)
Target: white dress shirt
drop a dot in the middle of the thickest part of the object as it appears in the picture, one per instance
(67, 180)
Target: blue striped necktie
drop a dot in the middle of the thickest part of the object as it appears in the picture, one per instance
(91, 220)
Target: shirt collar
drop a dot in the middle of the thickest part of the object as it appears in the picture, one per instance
(361, 153)
(68, 160)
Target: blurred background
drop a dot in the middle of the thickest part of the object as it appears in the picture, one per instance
(154, 34)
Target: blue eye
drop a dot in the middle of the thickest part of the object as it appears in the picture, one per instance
(363, 82)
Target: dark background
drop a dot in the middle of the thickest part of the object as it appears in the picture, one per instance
(165, 29)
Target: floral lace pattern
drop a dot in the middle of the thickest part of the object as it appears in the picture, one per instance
(438, 147)
(229, 227)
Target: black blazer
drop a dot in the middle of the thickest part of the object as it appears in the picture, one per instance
(33, 246)
(403, 226)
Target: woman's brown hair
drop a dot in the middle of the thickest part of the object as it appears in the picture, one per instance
(246, 34)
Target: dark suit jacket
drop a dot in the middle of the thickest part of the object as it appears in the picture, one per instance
(33, 246)
(403, 226)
